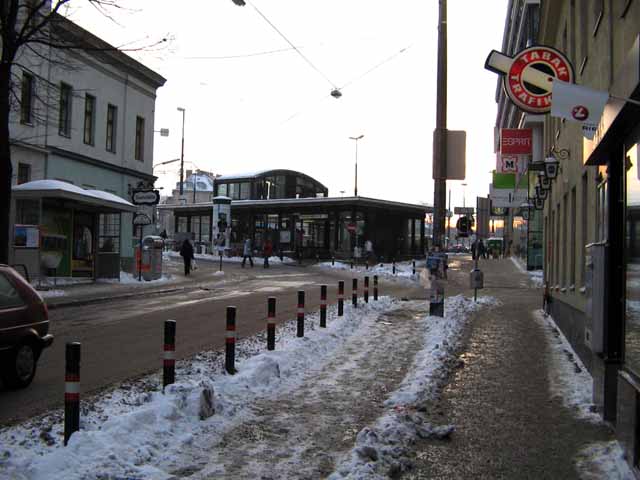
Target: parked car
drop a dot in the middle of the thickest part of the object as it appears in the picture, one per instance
(24, 327)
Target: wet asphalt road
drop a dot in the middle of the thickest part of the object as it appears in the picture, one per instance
(122, 339)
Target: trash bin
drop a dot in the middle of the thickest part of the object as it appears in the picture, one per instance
(152, 247)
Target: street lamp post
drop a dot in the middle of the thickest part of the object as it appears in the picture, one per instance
(355, 194)
(180, 109)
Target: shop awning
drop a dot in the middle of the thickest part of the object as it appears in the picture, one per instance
(56, 189)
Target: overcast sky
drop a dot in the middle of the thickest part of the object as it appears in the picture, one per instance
(247, 112)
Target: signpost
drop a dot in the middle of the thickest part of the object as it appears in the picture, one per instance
(140, 220)
(145, 197)
(464, 210)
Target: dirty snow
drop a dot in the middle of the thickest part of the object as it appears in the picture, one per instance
(274, 260)
(569, 379)
(403, 272)
(137, 432)
(536, 277)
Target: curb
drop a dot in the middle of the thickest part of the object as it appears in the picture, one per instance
(86, 301)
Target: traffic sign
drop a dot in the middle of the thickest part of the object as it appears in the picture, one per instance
(464, 210)
(351, 227)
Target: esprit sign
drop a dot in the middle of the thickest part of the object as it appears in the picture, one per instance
(515, 141)
(528, 76)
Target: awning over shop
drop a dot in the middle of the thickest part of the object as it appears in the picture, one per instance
(56, 189)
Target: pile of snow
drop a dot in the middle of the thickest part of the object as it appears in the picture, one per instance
(403, 270)
(381, 451)
(535, 276)
(569, 379)
(136, 431)
(51, 293)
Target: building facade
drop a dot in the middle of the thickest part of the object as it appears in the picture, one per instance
(590, 217)
(296, 214)
(85, 116)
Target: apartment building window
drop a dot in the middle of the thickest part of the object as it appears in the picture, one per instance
(112, 115)
(572, 239)
(139, 153)
(598, 14)
(26, 99)
(89, 119)
(24, 173)
(584, 225)
(64, 121)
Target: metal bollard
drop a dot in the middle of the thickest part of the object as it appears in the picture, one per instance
(375, 287)
(71, 390)
(366, 290)
(394, 267)
(340, 298)
(351, 264)
(323, 306)
(354, 295)
(230, 352)
(333, 261)
(271, 323)
(413, 270)
(169, 354)
(300, 332)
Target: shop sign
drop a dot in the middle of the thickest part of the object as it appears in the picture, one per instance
(528, 77)
(515, 141)
(145, 197)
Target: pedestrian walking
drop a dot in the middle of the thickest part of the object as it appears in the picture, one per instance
(186, 252)
(368, 250)
(247, 252)
(267, 250)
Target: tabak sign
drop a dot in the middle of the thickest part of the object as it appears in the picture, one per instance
(528, 76)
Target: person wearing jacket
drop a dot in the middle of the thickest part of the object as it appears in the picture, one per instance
(246, 252)
(186, 252)
(267, 251)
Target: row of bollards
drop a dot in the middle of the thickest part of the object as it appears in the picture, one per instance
(72, 349)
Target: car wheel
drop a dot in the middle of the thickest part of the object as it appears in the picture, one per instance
(21, 367)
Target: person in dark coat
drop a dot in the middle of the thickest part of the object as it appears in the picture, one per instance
(267, 250)
(186, 251)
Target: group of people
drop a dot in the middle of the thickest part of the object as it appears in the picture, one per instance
(247, 252)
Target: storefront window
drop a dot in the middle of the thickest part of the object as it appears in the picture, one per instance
(632, 253)
(205, 227)
(222, 189)
(245, 191)
(195, 228)
(109, 233)
(28, 212)
(182, 224)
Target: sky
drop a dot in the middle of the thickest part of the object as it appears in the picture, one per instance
(247, 111)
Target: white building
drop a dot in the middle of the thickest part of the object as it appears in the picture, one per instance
(85, 117)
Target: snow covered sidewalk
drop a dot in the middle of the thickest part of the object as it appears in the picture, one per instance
(340, 400)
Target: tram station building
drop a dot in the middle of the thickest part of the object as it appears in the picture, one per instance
(295, 212)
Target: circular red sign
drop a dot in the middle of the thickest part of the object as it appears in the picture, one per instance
(544, 59)
(580, 113)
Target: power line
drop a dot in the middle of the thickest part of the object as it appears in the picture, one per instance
(293, 46)
(242, 55)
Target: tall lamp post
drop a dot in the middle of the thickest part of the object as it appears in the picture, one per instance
(355, 194)
(180, 109)
(440, 137)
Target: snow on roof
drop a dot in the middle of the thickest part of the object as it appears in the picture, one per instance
(69, 188)
(244, 175)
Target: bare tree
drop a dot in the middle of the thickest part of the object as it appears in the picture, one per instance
(34, 29)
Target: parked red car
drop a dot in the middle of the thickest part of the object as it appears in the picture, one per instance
(24, 327)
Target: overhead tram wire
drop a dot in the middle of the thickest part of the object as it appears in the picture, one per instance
(388, 59)
(242, 55)
(335, 87)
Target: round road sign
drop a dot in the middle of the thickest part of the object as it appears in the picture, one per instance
(542, 59)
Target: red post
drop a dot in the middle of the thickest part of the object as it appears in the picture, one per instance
(340, 298)
(230, 352)
(300, 332)
(71, 390)
(354, 295)
(375, 287)
(169, 354)
(366, 290)
(271, 323)
(323, 306)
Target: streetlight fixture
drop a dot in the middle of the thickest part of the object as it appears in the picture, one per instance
(464, 194)
(355, 194)
(180, 109)
(164, 163)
